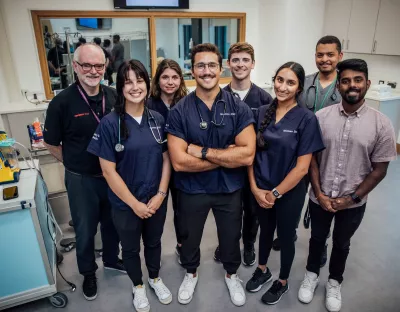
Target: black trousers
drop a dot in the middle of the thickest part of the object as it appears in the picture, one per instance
(193, 212)
(130, 229)
(346, 223)
(177, 226)
(250, 219)
(89, 205)
(284, 216)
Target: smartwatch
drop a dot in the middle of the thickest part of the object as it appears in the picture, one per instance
(355, 198)
(276, 193)
(204, 153)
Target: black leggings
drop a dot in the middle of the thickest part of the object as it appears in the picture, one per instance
(131, 229)
(284, 216)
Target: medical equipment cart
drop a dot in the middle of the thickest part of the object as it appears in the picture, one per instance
(27, 248)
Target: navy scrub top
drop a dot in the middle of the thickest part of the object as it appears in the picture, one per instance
(298, 133)
(159, 106)
(184, 122)
(140, 163)
(255, 98)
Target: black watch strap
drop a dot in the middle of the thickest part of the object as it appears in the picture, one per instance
(204, 153)
(356, 199)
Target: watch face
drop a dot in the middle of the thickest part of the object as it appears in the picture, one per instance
(276, 194)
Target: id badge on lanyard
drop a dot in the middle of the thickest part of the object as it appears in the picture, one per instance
(87, 102)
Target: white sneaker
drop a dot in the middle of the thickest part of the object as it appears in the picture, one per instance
(307, 287)
(162, 292)
(186, 290)
(333, 300)
(236, 290)
(140, 301)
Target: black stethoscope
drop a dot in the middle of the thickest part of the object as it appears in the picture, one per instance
(316, 91)
(203, 123)
(119, 147)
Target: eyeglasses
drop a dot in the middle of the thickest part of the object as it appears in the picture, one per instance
(211, 66)
(88, 67)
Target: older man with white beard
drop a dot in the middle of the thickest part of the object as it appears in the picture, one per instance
(72, 118)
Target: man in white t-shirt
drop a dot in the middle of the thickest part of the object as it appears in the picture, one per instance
(241, 62)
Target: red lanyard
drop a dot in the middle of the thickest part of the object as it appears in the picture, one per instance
(87, 102)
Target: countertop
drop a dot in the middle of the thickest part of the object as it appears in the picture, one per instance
(21, 107)
(393, 96)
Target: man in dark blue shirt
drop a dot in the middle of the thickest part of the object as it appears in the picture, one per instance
(241, 62)
(210, 138)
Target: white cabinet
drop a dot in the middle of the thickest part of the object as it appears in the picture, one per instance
(387, 35)
(353, 22)
(365, 26)
(360, 36)
(337, 17)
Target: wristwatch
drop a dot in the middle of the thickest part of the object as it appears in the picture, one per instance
(204, 153)
(355, 198)
(276, 193)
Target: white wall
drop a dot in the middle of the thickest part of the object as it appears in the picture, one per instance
(288, 31)
(380, 67)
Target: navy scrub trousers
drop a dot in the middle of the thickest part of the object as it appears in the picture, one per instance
(193, 212)
(89, 205)
(130, 229)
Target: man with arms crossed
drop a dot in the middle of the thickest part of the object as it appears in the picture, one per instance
(211, 137)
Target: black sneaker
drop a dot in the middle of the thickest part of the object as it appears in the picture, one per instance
(275, 293)
(324, 257)
(249, 256)
(258, 280)
(217, 256)
(119, 266)
(90, 287)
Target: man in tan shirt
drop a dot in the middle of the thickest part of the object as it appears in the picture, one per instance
(360, 143)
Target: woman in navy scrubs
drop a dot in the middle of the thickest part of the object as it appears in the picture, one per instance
(167, 88)
(134, 160)
(287, 136)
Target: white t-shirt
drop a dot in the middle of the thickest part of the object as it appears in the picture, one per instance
(242, 94)
(138, 119)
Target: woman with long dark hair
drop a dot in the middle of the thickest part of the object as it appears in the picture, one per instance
(168, 88)
(134, 160)
(287, 136)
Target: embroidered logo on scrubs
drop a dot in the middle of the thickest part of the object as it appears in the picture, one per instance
(96, 136)
(290, 131)
(81, 115)
(227, 114)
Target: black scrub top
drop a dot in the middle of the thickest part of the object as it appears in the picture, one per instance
(298, 133)
(184, 122)
(140, 163)
(70, 121)
(255, 98)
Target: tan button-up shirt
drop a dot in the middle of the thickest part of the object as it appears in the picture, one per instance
(353, 142)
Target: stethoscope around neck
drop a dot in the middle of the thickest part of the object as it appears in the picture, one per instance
(203, 123)
(119, 147)
(316, 91)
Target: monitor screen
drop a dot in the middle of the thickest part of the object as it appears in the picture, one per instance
(93, 23)
(151, 4)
